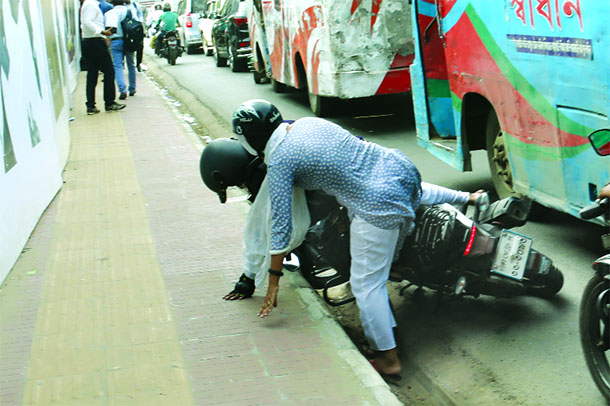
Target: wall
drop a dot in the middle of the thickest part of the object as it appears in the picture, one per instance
(39, 55)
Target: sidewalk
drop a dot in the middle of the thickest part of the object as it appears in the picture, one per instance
(116, 299)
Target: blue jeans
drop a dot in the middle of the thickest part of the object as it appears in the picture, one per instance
(118, 53)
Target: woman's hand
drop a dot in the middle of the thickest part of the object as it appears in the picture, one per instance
(605, 192)
(475, 195)
(271, 297)
(273, 287)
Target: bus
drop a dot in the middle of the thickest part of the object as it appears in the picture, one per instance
(526, 80)
(332, 49)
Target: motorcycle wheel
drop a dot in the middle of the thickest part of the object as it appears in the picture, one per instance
(594, 313)
(547, 285)
(172, 55)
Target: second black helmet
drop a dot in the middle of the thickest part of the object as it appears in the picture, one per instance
(255, 120)
(224, 163)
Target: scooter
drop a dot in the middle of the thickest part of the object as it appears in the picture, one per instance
(595, 303)
(447, 252)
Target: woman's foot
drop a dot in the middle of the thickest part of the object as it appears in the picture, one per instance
(387, 362)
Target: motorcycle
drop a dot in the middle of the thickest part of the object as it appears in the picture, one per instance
(171, 48)
(447, 252)
(595, 303)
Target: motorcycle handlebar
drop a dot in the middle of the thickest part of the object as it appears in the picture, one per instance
(595, 209)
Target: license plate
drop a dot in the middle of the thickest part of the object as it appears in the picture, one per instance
(511, 255)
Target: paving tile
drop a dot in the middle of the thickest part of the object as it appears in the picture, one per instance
(117, 299)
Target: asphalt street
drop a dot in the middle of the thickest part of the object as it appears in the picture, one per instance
(483, 351)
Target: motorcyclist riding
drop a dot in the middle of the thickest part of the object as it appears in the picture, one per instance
(380, 188)
(152, 19)
(168, 22)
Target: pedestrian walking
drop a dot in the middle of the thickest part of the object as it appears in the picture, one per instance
(114, 18)
(95, 51)
(138, 14)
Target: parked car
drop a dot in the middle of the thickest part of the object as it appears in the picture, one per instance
(206, 21)
(230, 36)
(188, 14)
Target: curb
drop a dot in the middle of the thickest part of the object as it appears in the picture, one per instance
(330, 328)
(208, 122)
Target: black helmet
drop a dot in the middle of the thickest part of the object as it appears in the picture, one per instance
(255, 120)
(167, 7)
(224, 163)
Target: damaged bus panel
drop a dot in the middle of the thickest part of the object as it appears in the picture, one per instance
(333, 49)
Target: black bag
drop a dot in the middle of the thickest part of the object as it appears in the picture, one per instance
(133, 33)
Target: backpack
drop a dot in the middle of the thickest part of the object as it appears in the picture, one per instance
(133, 33)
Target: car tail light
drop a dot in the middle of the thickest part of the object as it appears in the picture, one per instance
(240, 21)
(189, 22)
(244, 44)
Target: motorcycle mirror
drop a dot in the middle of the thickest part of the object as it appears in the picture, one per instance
(483, 201)
(600, 140)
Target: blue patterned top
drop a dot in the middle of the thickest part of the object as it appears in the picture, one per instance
(378, 184)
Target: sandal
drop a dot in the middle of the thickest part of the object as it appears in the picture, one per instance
(244, 288)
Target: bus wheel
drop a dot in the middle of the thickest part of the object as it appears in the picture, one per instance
(278, 87)
(259, 77)
(320, 105)
(497, 155)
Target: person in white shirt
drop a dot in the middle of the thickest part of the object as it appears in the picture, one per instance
(138, 15)
(153, 16)
(114, 18)
(95, 52)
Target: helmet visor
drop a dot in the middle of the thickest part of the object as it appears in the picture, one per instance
(244, 143)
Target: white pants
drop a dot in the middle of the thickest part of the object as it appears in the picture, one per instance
(372, 251)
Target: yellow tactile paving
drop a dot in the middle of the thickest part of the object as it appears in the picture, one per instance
(104, 332)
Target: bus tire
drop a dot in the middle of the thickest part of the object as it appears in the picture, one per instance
(320, 105)
(278, 87)
(259, 77)
(497, 156)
